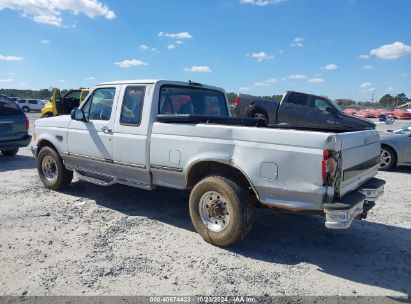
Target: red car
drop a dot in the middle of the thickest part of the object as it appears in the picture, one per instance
(402, 114)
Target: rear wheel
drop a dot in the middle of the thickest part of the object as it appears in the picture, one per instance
(10, 152)
(388, 158)
(51, 169)
(221, 211)
(26, 109)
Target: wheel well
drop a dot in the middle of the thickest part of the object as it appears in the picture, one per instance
(205, 168)
(395, 152)
(45, 143)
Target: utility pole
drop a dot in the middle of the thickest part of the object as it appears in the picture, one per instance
(372, 97)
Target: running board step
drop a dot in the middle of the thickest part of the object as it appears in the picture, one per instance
(94, 180)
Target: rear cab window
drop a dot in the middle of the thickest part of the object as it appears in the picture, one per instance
(9, 108)
(183, 100)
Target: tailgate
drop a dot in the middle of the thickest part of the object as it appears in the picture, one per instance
(360, 158)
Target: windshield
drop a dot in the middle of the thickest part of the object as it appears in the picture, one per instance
(8, 108)
(405, 130)
(181, 100)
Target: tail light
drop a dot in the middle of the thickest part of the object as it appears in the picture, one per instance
(329, 167)
(27, 123)
(237, 101)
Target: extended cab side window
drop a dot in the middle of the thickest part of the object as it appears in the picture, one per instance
(298, 99)
(99, 105)
(132, 106)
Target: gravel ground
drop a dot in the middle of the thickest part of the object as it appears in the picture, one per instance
(90, 240)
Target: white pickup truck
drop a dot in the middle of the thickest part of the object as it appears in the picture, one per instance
(149, 133)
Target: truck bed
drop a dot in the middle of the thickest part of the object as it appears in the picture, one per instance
(235, 121)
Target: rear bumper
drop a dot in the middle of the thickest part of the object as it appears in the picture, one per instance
(13, 144)
(340, 214)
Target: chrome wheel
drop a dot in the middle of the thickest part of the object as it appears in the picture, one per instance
(386, 159)
(214, 211)
(49, 168)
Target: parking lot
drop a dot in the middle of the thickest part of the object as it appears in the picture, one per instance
(91, 240)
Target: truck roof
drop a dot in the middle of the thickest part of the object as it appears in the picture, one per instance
(162, 81)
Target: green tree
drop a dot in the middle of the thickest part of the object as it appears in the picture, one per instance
(345, 102)
(387, 101)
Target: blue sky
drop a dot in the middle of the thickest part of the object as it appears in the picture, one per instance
(262, 47)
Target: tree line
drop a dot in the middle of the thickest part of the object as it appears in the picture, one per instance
(29, 94)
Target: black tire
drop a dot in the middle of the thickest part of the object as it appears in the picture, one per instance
(391, 155)
(48, 114)
(26, 109)
(239, 203)
(10, 152)
(259, 114)
(63, 176)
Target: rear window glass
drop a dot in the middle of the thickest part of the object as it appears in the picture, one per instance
(9, 108)
(179, 100)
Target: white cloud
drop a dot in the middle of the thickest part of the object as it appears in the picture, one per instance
(316, 80)
(49, 11)
(179, 36)
(298, 42)
(179, 42)
(392, 51)
(364, 56)
(198, 68)
(261, 2)
(265, 83)
(145, 47)
(10, 58)
(367, 87)
(129, 63)
(367, 67)
(390, 89)
(7, 80)
(298, 76)
(261, 56)
(62, 80)
(45, 41)
(91, 78)
(243, 89)
(171, 46)
(330, 67)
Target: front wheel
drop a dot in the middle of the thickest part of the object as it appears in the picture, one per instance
(26, 109)
(51, 169)
(10, 152)
(221, 211)
(388, 158)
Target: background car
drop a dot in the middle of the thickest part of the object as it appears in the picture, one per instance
(31, 105)
(395, 148)
(14, 127)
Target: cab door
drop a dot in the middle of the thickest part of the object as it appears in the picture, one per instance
(130, 148)
(321, 114)
(56, 105)
(90, 142)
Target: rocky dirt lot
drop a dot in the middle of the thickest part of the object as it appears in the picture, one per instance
(90, 240)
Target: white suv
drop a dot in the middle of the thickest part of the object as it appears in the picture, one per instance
(28, 105)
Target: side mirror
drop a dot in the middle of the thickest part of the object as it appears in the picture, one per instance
(78, 114)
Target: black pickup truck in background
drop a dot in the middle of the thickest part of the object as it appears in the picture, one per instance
(300, 110)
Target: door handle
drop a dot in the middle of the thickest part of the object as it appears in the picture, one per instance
(107, 130)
